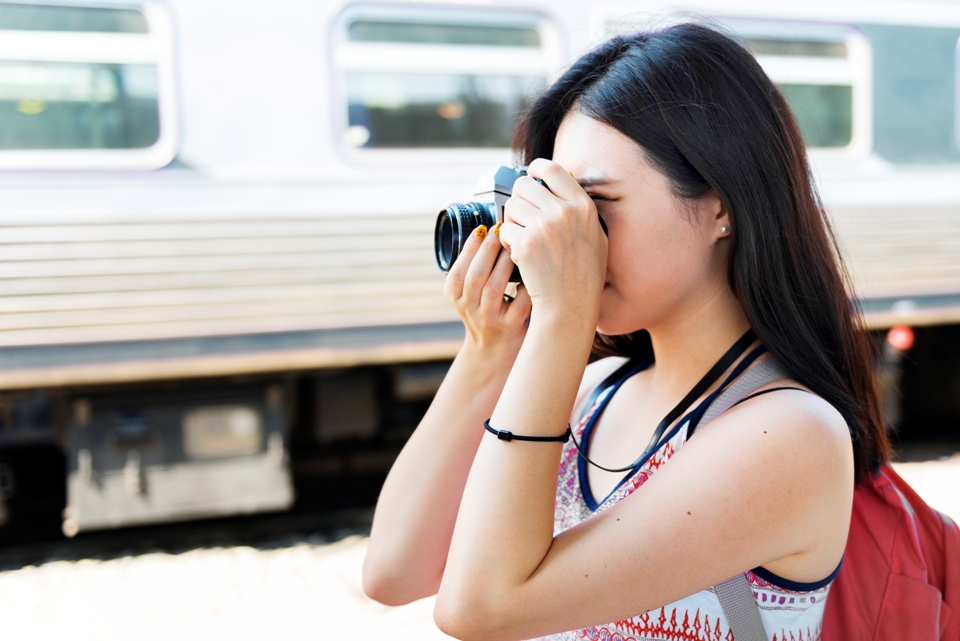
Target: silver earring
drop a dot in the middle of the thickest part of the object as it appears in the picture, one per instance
(723, 230)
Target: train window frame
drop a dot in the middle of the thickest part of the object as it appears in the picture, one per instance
(155, 47)
(855, 70)
(347, 55)
(956, 95)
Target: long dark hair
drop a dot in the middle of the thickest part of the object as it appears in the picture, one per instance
(708, 117)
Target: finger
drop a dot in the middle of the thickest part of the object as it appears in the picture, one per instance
(492, 297)
(479, 271)
(517, 311)
(453, 288)
(527, 189)
(521, 212)
(562, 183)
(510, 235)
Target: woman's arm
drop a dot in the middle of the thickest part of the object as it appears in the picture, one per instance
(418, 504)
(710, 514)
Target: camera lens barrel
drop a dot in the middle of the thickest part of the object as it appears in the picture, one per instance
(454, 226)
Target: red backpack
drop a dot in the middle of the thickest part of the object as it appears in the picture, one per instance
(900, 579)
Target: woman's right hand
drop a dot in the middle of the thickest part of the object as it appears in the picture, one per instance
(475, 287)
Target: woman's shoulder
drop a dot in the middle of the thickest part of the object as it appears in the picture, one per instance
(789, 416)
(799, 444)
(790, 401)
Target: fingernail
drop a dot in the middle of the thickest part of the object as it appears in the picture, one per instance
(481, 232)
(496, 229)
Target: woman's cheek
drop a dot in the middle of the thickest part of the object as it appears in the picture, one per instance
(612, 318)
(620, 312)
(642, 283)
(621, 278)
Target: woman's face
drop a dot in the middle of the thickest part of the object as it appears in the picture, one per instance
(664, 259)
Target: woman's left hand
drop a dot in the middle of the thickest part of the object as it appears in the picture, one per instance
(555, 238)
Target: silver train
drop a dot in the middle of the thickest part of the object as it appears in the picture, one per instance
(216, 270)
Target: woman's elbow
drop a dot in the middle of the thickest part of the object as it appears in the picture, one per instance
(454, 621)
(382, 588)
(390, 587)
(379, 590)
(464, 619)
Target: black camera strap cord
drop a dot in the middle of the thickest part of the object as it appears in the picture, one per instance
(708, 379)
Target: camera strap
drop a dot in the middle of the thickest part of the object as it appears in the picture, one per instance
(629, 368)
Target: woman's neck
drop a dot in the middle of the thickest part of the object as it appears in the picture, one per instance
(689, 343)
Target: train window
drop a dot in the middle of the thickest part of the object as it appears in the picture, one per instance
(795, 47)
(70, 105)
(38, 17)
(85, 87)
(824, 112)
(435, 110)
(431, 79)
(450, 34)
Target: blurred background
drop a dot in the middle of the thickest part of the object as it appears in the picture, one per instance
(219, 306)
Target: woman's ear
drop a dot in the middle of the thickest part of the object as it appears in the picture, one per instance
(716, 214)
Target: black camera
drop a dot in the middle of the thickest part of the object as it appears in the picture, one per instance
(459, 220)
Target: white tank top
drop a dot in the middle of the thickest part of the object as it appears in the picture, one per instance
(790, 611)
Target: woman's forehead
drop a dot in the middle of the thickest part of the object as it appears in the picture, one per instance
(595, 152)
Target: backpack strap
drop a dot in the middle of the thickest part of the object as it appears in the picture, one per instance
(741, 609)
(736, 594)
(763, 373)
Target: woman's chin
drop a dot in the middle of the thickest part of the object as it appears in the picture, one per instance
(611, 329)
(617, 316)
(612, 326)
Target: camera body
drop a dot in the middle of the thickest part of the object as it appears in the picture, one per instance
(457, 221)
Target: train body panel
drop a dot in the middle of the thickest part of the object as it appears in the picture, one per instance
(254, 190)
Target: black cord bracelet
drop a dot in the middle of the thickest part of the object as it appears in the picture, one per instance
(504, 435)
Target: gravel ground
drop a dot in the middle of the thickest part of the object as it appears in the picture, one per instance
(301, 589)
(298, 588)
(937, 481)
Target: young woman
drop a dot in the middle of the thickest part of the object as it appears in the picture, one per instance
(690, 155)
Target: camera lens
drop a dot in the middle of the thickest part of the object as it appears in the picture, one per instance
(454, 226)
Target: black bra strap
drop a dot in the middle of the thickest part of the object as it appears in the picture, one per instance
(767, 391)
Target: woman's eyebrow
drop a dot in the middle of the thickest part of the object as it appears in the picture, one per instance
(593, 182)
